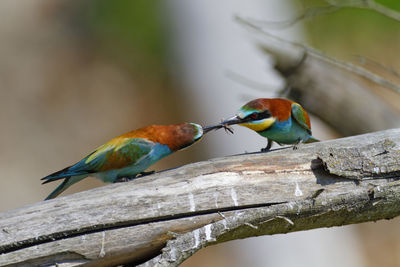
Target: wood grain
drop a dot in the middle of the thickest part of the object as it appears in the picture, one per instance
(207, 202)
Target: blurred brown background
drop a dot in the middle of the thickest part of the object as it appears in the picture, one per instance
(75, 74)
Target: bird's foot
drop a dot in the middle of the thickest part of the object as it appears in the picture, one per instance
(265, 149)
(122, 180)
(268, 147)
(129, 178)
(297, 145)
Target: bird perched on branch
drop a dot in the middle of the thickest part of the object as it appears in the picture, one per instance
(128, 155)
(279, 120)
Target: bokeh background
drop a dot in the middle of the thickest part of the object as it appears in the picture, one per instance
(74, 74)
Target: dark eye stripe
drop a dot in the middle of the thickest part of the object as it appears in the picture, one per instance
(259, 116)
(266, 114)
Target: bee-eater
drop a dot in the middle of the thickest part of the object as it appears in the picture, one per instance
(279, 120)
(126, 156)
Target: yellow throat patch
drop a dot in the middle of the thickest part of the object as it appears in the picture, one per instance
(260, 126)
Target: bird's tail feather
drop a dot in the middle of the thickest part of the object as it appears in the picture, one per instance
(63, 174)
(64, 185)
(311, 140)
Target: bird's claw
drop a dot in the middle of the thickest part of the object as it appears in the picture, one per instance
(268, 147)
(122, 180)
(129, 178)
(297, 145)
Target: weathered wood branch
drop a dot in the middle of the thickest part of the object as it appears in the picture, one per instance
(164, 218)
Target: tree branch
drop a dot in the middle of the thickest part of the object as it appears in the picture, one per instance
(334, 6)
(290, 53)
(164, 218)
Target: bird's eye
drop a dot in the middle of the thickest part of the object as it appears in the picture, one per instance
(254, 116)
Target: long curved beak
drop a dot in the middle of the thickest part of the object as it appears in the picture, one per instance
(207, 129)
(232, 121)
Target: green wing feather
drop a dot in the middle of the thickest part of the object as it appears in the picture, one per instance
(117, 154)
(299, 115)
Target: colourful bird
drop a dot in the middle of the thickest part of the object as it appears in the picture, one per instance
(279, 120)
(128, 155)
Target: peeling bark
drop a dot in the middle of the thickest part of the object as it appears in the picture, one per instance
(381, 159)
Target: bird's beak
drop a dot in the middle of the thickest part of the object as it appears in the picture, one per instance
(232, 121)
(206, 129)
